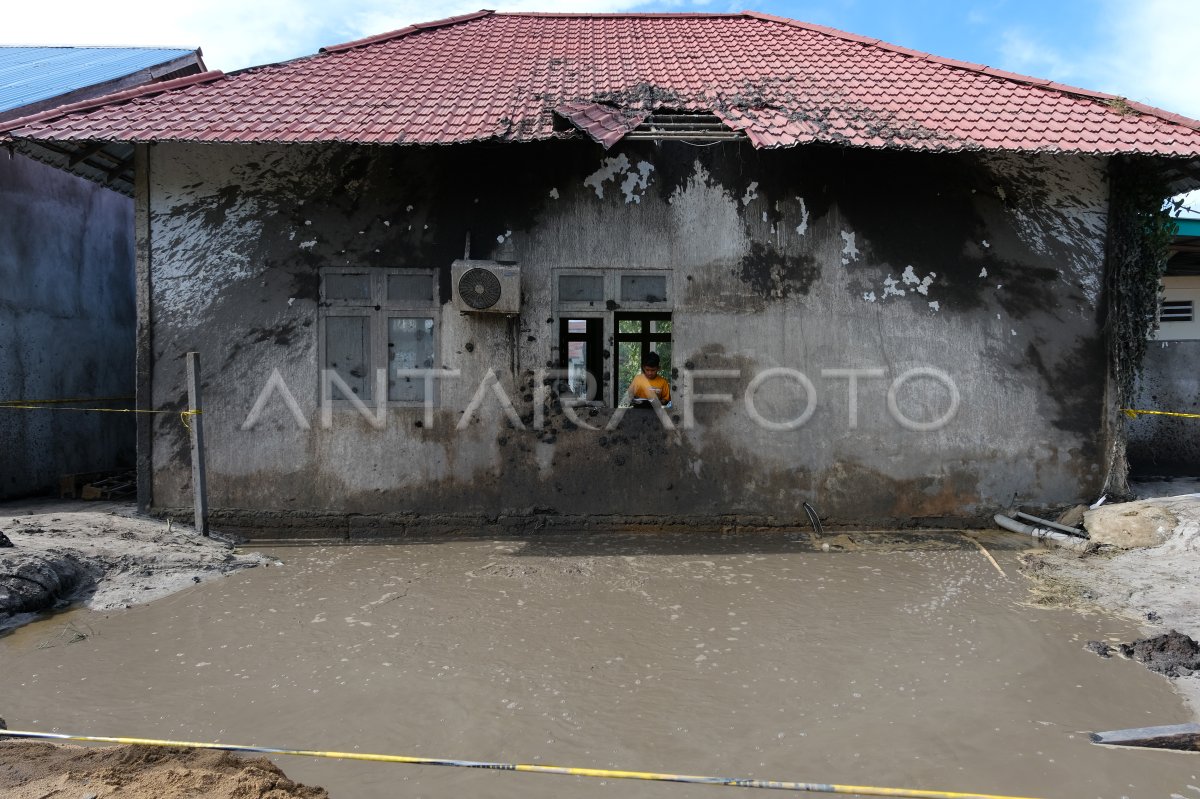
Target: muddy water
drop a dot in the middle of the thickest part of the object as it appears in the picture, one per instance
(891, 662)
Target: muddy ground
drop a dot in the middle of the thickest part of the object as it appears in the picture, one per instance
(1157, 587)
(102, 554)
(423, 666)
(43, 770)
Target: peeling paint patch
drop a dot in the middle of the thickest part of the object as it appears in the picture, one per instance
(986, 245)
(935, 306)
(983, 272)
(802, 228)
(910, 278)
(308, 245)
(869, 296)
(849, 249)
(891, 288)
(751, 193)
(637, 179)
(554, 194)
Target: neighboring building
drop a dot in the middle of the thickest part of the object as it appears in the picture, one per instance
(67, 310)
(812, 214)
(1170, 380)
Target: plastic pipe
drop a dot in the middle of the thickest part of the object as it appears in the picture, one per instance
(1075, 531)
(1040, 532)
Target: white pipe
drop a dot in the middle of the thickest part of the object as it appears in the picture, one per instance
(1040, 532)
(1062, 528)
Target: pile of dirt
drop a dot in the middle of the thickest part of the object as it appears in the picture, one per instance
(1173, 654)
(30, 582)
(36, 770)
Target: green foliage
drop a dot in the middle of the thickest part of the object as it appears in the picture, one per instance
(1140, 232)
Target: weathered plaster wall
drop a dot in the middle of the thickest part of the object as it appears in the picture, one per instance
(66, 322)
(1170, 382)
(985, 267)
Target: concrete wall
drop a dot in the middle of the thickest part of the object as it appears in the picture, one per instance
(66, 323)
(1170, 382)
(986, 267)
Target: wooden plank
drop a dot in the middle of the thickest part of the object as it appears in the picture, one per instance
(196, 425)
(1185, 737)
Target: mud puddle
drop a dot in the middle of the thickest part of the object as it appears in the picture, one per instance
(883, 661)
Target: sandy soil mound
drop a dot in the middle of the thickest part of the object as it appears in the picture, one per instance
(39, 770)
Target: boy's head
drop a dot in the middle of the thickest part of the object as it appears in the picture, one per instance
(650, 365)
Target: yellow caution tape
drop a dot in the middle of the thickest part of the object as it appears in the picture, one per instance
(57, 405)
(1134, 413)
(811, 787)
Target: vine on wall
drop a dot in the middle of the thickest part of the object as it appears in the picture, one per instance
(1140, 231)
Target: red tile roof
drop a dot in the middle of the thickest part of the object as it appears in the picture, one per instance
(525, 76)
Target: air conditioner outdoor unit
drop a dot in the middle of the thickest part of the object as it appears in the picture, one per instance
(486, 287)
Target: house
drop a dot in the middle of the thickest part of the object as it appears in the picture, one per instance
(67, 311)
(421, 268)
(1170, 379)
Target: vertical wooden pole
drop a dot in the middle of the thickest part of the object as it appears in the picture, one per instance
(196, 423)
(144, 363)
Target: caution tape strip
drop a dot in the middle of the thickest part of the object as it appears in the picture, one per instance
(812, 787)
(58, 405)
(1134, 413)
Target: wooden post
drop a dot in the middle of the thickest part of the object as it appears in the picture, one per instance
(196, 423)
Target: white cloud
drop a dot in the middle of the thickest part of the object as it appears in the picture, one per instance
(237, 33)
(1149, 53)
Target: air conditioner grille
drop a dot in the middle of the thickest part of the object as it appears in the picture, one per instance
(479, 288)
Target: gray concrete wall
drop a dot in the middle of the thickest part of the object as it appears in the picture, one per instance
(1170, 381)
(66, 323)
(985, 267)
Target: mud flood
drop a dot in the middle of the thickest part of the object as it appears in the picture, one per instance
(886, 661)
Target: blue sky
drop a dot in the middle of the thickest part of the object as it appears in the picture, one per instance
(1142, 49)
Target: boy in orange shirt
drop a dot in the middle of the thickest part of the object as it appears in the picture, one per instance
(650, 385)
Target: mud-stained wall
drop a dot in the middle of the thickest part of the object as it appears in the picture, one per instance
(983, 267)
(66, 323)
(1170, 381)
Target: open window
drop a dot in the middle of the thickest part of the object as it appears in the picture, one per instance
(637, 335)
(581, 353)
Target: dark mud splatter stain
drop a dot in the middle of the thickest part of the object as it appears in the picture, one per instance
(1076, 385)
(281, 335)
(772, 274)
(306, 285)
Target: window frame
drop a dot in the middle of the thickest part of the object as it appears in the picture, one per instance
(644, 337)
(1179, 288)
(378, 309)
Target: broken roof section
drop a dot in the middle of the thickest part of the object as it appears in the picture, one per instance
(518, 76)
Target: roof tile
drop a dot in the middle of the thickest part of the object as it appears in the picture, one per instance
(507, 76)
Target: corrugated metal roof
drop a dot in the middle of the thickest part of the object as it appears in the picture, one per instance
(503, 77)
(30, 75)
